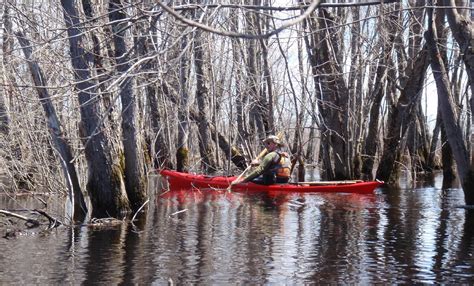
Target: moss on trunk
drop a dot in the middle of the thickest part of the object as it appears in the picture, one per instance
(182, 159)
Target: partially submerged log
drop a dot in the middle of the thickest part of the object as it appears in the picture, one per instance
(30, 223)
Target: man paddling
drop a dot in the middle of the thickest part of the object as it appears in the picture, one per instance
(274, 167)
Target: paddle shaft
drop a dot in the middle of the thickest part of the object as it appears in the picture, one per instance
(246, 169)
(263, 153)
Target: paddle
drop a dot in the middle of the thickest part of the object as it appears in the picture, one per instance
(263, 153)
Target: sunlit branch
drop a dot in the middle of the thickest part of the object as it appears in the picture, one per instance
(310, 9)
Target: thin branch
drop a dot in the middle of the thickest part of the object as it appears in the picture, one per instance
(53, 222)
(133, 218)
(282, 8)
(231, 34)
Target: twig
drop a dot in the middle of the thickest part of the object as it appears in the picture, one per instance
(53, 222)
(133, 218)
(181, 211)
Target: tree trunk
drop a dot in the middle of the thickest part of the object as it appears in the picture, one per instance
(357, 99)
(447, 161)
(102, 74)
(240, 95)
(158, 148)
(445, 101)
(371, 141)
(202, 97)
(161, 154)
(312, 49)
(334, 92)
(7, 80)
(431, 164)
(4, 120)
(267, 77)
(463, 31)
(135, 179)
(7, 47)
(401, 115)
(54, 126)
(378, 91)
(105, 183)
(182, 152)
(258, 107)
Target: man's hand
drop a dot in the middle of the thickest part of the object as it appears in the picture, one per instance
(255, 162)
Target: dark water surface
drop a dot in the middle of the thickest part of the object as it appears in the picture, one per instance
(394, 236)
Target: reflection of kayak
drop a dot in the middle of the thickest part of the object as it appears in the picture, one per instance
(179, 180)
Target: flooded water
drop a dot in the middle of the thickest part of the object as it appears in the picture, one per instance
(403, 236)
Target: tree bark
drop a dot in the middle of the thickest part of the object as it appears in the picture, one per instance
(182, 152)
(105, 183)
(135, 179)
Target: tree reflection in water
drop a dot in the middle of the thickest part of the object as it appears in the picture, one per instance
(394, 236)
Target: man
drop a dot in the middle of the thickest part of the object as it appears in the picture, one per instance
(274, 167)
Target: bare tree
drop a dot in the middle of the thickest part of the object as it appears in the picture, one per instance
(135, 179)
(202, 99)
(6, 50)
(182, 152)
(453, 130)
(54, 126)
(258, 121)
(387, 39)
(323, 49)
(463, 31)
(105, 183)
(402, 114)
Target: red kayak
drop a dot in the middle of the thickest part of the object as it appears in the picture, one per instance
(178, 180)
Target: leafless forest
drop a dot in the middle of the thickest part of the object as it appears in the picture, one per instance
(95, 95)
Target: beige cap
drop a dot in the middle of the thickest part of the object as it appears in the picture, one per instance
(274, 139)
